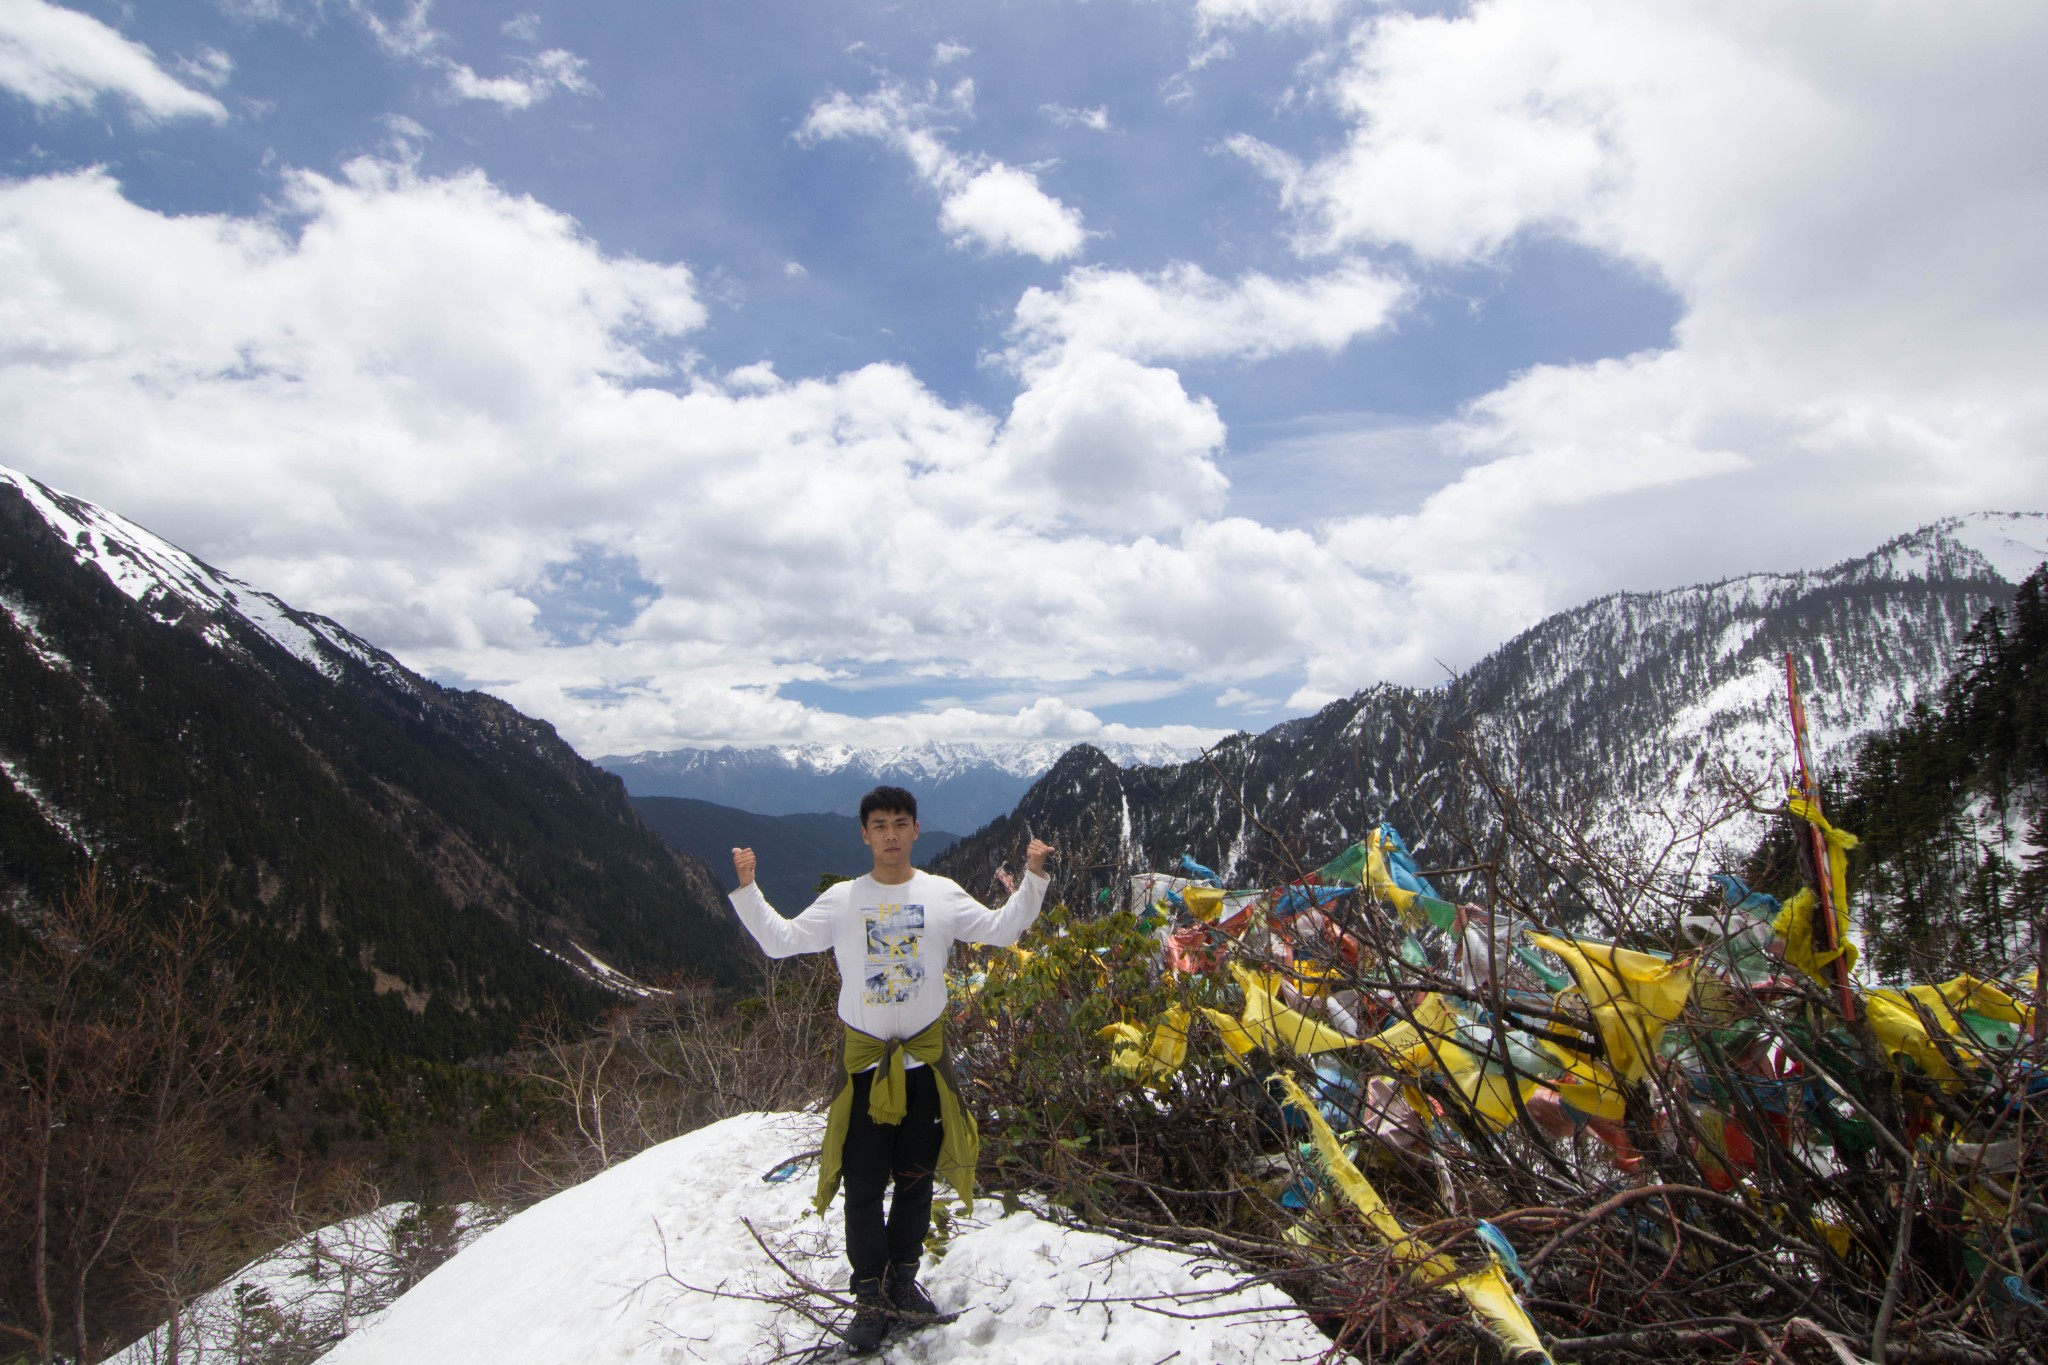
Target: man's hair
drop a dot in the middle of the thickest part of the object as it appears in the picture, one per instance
(887, 799)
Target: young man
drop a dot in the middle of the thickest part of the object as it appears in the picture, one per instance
(898, 1114)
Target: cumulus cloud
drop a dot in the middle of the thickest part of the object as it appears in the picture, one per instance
(1185, 313)
(57, 58)
(420, 404)
(982, 201)
(1837, 197)
(1103, 437)
(412, 401)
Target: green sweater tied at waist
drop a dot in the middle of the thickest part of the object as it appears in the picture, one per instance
(960, 1140)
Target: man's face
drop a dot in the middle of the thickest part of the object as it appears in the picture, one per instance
(890, 833)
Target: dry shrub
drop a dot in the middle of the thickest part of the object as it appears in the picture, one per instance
(666, 1065)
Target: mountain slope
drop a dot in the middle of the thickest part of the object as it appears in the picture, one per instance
(794, 850)
(1951, 808)
(958, 786)
(415, 866)
(1628, 701)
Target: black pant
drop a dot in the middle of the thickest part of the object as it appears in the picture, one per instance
(875, 1153)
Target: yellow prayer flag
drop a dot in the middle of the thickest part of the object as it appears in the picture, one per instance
(1486, 1291)
(1902, 1029)
(1274, 1025)
(1234, 1037)
(1494, 1299)
(1839, 842)
(1633, 996)
(1899, 1029)
(1794, 925)
(1380, 881)
(1164, 1054)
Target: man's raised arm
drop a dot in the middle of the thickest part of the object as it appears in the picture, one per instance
(979, 924)
(810, 932)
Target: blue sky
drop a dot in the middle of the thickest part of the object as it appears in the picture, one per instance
(695, 372)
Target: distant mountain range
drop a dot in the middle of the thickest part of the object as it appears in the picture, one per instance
(958, 786)
(422, 871)
(794, 850)
(1621, 707)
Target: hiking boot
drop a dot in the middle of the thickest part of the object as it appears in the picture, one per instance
(906, 1296)
(870, 1317)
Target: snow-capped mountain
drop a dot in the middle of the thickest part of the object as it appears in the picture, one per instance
(426, 867)
(1626, 704)
(178, 589)
(958, 785)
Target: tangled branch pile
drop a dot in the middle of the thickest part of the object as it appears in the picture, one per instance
(1582, 1102)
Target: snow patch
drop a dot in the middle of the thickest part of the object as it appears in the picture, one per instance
(610, 977)
(53, 815)
(1736, 636)
(2013, 543)
(1751, 690)
(652, 1261)
(324, 1285)
(598, 972)
(31, 627)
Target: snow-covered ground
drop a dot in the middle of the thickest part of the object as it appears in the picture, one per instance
(652, 1261)
(314, 1289)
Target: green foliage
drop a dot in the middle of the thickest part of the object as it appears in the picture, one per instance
(1057, 1118)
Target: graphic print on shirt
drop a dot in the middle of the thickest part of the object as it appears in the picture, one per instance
(895, 969)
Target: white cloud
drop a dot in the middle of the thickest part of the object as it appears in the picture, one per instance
(210, 67)
(538, 77)
(982, 201)
(1215, 14)
(1236, 698)
(1068, 117)
(1184, 313)
(1003, 209)
(945, 54)
(409, 35)
(1842, 199)
(412, 37)
(255, 11)
(1101, 438)
(409, 401)
(57, 58)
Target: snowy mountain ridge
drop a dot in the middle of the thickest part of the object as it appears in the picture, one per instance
(1658, 680)
(320, 782)
(930, 761)
(1629, 706)
(169, 584)
(959, 785)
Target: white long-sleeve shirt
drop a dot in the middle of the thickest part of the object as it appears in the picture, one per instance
(891, 941)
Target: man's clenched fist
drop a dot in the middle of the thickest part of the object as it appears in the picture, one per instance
(743, 865)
